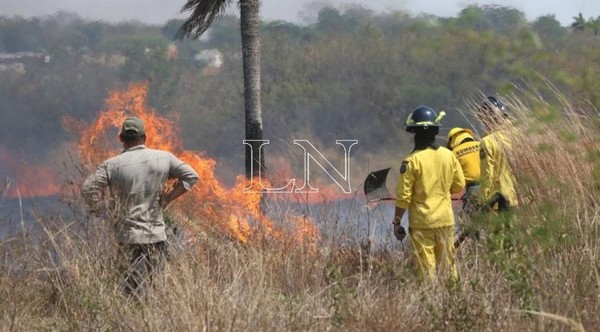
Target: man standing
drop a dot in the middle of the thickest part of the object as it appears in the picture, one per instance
(135, 180)
(428, 177)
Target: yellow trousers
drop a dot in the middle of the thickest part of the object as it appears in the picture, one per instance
(434, 248)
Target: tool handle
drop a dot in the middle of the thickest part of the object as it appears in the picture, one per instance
(381, 199)
(394, 198)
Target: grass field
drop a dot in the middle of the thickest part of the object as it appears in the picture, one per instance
(62, 274)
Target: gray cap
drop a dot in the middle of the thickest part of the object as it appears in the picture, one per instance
(133, 126)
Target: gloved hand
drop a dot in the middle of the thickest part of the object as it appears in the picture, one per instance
(481, 208)
(399, 232)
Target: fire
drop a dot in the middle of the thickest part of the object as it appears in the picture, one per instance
(209, 205)
(27, 179)
(283, 171)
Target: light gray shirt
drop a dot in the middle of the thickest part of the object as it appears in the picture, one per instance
(135, 180)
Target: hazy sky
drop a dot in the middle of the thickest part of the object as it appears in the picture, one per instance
(159, 11)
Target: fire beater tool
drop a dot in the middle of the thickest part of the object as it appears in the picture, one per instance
(375, 189)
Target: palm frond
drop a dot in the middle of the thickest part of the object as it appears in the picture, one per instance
(203, 14)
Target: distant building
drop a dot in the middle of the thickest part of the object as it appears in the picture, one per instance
(16, 62)
(11, 57)
(210, 58)
(15, 67)
(103, 59)
(172, 52)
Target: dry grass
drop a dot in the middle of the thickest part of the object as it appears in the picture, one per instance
(61, 274)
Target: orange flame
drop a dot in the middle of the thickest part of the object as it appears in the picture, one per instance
(210, 205)
(29, 179)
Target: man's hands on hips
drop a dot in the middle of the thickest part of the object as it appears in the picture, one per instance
(165, 199)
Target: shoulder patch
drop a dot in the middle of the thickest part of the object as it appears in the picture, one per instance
(482, 153)
(403, 167)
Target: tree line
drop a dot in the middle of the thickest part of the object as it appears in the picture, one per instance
(352, 74)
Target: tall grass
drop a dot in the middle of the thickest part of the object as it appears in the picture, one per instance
(62, 273)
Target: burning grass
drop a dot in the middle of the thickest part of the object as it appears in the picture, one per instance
(61, 274)
(232, 212)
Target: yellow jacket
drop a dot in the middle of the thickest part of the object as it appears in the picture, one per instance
(467, 152)
(496, 173)
(427, 179)
(468, 157)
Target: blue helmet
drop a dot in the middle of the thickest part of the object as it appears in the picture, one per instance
(424, 117)
(493, 105)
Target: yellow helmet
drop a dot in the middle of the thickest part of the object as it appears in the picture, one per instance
(458, 135)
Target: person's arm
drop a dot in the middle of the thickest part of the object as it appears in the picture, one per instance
(399, 231)
(404, 192)
(93, 188)
(458, 177)
(186, 178)
(177, 191)
(487, 171)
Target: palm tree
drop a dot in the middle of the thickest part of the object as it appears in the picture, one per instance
(579, 23)
(203, 14)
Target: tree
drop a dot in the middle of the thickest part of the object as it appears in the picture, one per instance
(473, 17)
(548, 26)
(203, 14)
(170, 28)
(579, 23)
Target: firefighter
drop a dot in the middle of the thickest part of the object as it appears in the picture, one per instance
(465, 146)
(428, 177)
(497, 182)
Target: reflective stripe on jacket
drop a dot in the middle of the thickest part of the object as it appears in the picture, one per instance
(468, 156)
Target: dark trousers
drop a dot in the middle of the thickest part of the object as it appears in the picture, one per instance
(145, 267)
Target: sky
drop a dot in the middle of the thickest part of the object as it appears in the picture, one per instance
(298, 11)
